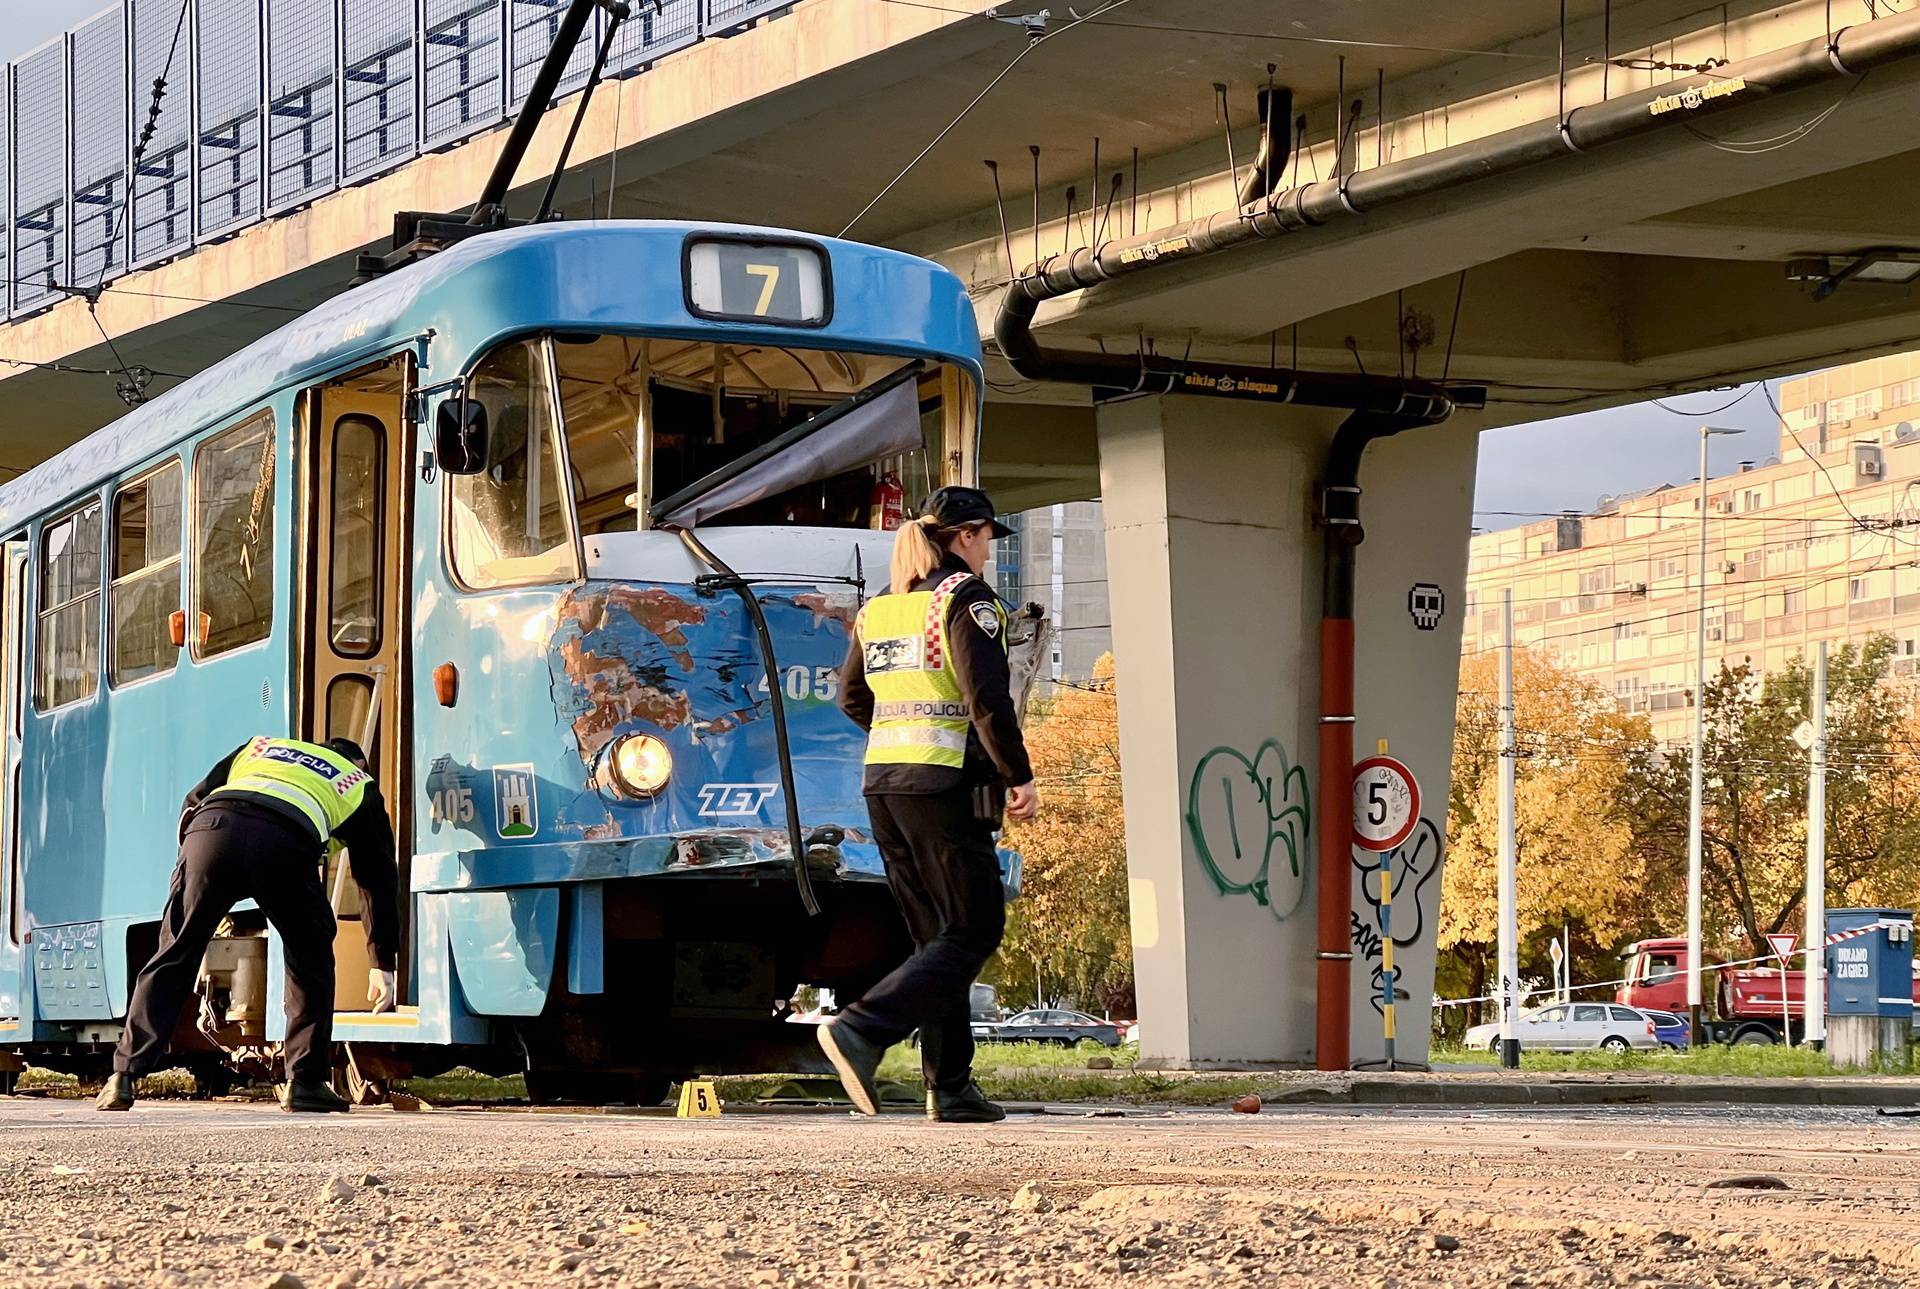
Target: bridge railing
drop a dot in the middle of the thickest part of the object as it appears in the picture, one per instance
(268, 105)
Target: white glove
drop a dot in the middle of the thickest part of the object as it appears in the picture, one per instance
(381, 989)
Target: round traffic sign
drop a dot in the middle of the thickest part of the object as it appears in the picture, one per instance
(1386, 803)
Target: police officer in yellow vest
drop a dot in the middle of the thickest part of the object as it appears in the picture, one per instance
(256, 828)
(926, 677)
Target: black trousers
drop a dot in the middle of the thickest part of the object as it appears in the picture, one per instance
(945, 877)
(231, 853)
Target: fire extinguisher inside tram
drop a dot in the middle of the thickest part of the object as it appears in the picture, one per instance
(886, 502)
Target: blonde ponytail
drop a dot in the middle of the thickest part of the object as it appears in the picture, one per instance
(915, 553)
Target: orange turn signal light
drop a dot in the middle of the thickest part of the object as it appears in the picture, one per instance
(446, 683)
(177, 628)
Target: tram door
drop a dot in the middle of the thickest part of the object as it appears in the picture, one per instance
(13, 900)
(356, 629)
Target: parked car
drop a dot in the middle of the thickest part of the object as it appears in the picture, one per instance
(1053, 1025)
(1671, 1030)
(1567, 1027)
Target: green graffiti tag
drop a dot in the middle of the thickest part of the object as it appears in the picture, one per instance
(1260, 805)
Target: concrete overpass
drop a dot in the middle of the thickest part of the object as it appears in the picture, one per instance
(1480, 210)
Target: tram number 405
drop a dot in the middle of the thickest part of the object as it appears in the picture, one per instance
(450, 806)
(799, 684)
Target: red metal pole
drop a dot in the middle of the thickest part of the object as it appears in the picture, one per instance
(1335, 958)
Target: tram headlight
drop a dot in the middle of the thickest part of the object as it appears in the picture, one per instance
(638, 766)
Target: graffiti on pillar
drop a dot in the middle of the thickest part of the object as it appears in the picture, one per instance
(1426, 603)
(1248, 818)
(1412, 864)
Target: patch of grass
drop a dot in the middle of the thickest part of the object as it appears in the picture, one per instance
(160, 1086)
(36, 1079)
(902, 1061)
(465, 1085)
(1714, 1060)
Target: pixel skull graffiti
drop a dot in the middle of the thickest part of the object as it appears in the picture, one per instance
(1426, 603)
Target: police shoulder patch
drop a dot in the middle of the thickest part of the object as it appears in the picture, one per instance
(985, 617)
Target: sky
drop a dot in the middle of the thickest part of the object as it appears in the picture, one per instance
(26, 24)
(1570, 462)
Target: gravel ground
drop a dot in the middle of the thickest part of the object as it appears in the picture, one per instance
(233, 1193)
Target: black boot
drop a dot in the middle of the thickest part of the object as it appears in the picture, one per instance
(967, 1106)
(117, 1094)
(314, 1098)
(855, 1059)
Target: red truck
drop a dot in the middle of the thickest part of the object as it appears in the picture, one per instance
(1745, 1003)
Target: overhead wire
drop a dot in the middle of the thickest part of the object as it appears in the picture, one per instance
(1786, 139)
(1738, 399)
(140, 144)
(1801, 581)
(1032, 44)
(1827, 474)
(1850, 523)
(1291, 37)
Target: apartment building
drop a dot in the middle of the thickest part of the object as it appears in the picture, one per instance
(1818, 542)
(1057, 557)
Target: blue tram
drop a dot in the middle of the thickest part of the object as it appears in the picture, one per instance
(527, 518)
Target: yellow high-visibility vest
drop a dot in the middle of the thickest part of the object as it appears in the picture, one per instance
(317, 781)
(920, 717)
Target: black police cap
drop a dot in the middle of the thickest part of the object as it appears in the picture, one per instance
(958, 507)
(351, 750)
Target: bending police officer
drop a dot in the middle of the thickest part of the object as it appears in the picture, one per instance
(257, 828)
(926, 676)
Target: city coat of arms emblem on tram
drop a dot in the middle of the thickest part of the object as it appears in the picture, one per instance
(516, 801)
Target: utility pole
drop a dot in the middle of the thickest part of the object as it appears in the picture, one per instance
(1813, 943)
(1696, 783)
(1509, 913)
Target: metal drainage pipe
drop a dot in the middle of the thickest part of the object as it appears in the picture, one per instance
(1851, 52)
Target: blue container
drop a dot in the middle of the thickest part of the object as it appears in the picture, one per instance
(1870, 974)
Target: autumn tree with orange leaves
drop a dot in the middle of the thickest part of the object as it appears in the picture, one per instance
(1580, 868)
(1068, 932)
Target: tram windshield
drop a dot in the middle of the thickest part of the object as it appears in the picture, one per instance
(632, 432)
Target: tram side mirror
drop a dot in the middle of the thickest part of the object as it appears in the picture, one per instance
(460, 436)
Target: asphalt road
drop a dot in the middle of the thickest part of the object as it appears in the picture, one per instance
(236, 1193)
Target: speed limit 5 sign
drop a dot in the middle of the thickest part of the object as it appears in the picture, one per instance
(1386, 803)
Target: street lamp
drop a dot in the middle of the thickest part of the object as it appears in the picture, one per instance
(1696, 788)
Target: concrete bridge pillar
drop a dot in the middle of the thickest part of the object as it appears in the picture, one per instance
(1214, 560)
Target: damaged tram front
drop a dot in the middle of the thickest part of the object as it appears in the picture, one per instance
(569, 526)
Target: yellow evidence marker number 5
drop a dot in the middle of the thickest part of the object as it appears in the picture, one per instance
(698, 1101)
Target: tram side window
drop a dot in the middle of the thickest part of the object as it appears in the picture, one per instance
(145, 589)
(67, 643)
(359, 529)
(600, 381)
(233, 536)
(509, 522)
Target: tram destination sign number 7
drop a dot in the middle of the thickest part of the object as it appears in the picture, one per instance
(731, 278)
(1386, 803)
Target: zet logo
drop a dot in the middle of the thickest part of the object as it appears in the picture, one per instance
(735, 798)
(516, 801)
